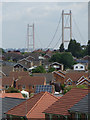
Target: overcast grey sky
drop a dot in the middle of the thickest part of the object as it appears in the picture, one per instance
(45, 16)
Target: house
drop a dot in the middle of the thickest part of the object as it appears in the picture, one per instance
(7, 82)
(47, 56)
(79, 67)
(59, 76)
(6, 69)
(28, 62)
(70, 78)
(23, 63)
(19, 67)
(57, 66)
(86, 58)
(84, 62)
(33, 107)
(18, 74)
(30, 58)
(28, 83)
(73, 78)
(2, 74)
(81, 107)
(65, 107)
(13, 56)
(83, 81)
(7, 104)
(48, 76)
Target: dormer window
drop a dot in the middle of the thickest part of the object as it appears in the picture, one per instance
(76, 66)
(23, 87)
(69, 83)
(81, 67)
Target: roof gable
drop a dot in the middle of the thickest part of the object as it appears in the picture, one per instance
(67, 101)
(33, 107)
(82, 105)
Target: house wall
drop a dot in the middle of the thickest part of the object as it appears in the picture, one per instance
(29, 88)
(58, 78)
(26, 63)
(78, 67)
(69, 82)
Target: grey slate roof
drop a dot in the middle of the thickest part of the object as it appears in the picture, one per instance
(82, 106)
(48, 76)
(8, 103)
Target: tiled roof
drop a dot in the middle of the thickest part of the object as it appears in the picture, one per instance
(24, 80)
(7, 69)
(7, 81)
(12, 95)
(28, 80)
(61, 106)
(49, 76)
(75, 76)
(7, 103)
(60, 74)
(82, 106)
(18, 74)
(33, 107)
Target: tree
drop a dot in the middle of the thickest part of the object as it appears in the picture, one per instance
(39, 69)
(66, 89)
(75, 48)
(67, 59)
(12, 90)
(64, 58)
(55, 58)
(61, 49)
(51, 69)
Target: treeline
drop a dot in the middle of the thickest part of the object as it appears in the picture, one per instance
(65, 56)
(77, 50)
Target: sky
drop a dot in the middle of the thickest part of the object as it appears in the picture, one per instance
(45, 16)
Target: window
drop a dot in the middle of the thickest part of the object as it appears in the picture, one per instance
(23, 87)
(81, 66)
(69, 83)
(76, 66)
(33, 86)
(6, 86)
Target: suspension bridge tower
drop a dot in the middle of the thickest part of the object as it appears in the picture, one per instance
(30, 37)
(66, 27)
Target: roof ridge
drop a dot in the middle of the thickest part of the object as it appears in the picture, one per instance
(59, 74)
(52, 95)
(37, 102)
(40, 100)
(22, 103)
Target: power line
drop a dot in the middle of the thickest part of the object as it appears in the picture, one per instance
(78, 29)
(55, 33)
(38, 37)
(57, 41)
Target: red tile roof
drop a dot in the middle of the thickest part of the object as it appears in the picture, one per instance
(7, 81)
(33, 107)
(28, 80)
(13, 95)
(24, 80)
(75, 76)
(18, 74)
(61, 106)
